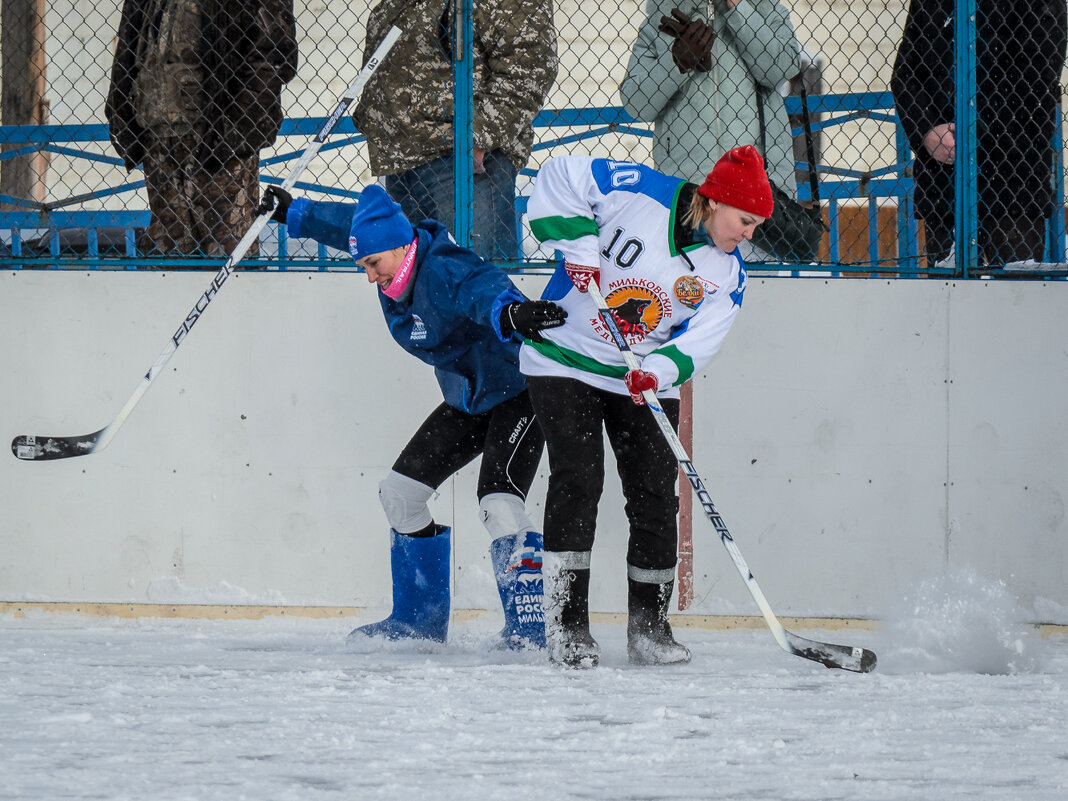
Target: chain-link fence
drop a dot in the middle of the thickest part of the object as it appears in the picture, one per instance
(199, 87)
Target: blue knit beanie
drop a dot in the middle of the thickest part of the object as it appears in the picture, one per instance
(378, 224)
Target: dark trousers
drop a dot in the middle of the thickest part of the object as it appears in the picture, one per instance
(1001, 239)
(572, 416)
(194, 212)
(427, 191)
(507, 436)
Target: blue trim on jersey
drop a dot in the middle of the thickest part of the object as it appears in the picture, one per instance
(639, 179)
(743, 280)
(559, 284)
(680, 329)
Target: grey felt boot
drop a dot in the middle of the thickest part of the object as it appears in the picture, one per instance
(566, 577)
(649, 637)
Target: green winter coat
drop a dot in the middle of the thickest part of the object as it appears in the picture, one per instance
(701, 115)
(406, 110)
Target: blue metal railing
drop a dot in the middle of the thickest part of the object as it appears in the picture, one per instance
(110, 235)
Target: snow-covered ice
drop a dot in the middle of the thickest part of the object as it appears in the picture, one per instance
(283, 709)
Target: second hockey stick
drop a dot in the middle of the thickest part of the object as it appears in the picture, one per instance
(38, 448)
(859, 660)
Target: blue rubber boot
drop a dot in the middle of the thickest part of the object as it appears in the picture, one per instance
(420, 567)
(517, 567)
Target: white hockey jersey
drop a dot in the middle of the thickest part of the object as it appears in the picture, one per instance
(673, 296)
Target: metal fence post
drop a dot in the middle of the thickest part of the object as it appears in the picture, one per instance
(463, 122)
(964, 177)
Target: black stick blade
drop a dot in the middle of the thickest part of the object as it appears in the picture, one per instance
(31, 448)
(843, 657)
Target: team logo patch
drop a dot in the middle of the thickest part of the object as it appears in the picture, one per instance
(525, 567)
(418, 329)
(638, 307)
(352, 247)
(689, 291)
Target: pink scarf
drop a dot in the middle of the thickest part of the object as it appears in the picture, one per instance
(404, 273)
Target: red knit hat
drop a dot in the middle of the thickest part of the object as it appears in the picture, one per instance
(739, 180)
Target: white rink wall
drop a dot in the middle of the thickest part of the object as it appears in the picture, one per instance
(857, 435)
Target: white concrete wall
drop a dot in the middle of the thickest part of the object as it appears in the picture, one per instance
(857, 435)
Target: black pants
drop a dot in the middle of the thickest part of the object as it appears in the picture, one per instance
(572, 415)
(1001, 239)
(507, 436)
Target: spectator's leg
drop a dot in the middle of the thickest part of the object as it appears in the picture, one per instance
(429, 191)
(938, 239)
(425, 191)
(225, 206)
(170, 229)
(1012, 239)
(495, 236)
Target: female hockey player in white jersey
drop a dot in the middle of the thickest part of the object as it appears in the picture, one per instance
(664, 255)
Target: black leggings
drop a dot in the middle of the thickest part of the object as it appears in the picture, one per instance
(507, 436)
(572, 415)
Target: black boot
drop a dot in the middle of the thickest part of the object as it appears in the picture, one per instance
(566, 578)
(649, 637)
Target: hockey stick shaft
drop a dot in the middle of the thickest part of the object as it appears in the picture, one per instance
(36, 448)
(848, 658)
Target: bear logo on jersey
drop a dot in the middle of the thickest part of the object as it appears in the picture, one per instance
(629, 313)
(638, 307)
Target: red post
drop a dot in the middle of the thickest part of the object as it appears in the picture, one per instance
(686, 502)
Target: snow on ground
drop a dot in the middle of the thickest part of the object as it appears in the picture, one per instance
(283, 709)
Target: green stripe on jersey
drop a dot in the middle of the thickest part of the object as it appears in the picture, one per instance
(673, 212)
(571, 358)
(563, 229)
(683, 362)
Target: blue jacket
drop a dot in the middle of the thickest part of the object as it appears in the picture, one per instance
(450, 318)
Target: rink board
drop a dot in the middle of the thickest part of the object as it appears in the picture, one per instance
(856, 435)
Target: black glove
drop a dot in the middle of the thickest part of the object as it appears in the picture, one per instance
(274, 197)
(692, 49)
(531, 317)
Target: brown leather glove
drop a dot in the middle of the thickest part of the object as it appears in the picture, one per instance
(692, 49)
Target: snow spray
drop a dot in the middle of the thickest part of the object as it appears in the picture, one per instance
(959, 622)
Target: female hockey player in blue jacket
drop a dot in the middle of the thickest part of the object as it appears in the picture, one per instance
(455, 311)
(664, 254)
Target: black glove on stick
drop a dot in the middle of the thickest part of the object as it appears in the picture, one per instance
(274, 197)
(531, 317)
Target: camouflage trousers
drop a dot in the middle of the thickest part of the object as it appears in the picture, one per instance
(194, 212)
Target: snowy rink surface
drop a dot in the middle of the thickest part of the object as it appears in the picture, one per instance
(282, 708)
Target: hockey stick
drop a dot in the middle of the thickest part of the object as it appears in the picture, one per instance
(36, 448)
(859, 660)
